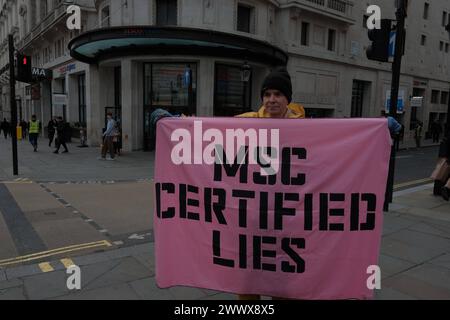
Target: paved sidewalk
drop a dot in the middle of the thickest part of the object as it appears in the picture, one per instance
(77, 165)
(414, 262)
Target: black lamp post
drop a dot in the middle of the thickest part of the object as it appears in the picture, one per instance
(246, 72)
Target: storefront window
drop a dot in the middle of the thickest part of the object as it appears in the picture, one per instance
(171, 86)
(232, 95)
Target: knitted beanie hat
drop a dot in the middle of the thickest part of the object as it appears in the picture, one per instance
(278, 79)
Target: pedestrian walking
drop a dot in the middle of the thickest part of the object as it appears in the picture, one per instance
(436, 130)
(51, 129)
(61, 135)
(4, 126)
(418, 133)
(117, 139)
(35, 127)
(108, 135)
(24, 126)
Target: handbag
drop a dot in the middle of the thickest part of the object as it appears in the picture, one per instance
(441, 171)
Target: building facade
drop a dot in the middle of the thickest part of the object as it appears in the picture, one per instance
(209, 58)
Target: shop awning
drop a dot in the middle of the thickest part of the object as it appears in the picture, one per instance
(94, 46)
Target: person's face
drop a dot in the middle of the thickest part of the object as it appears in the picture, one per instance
(275, 103)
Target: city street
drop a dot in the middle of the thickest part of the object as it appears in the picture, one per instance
(313, 92)
(74, 209)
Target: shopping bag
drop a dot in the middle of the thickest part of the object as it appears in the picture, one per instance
(441, 171)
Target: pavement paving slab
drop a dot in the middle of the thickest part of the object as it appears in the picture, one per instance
(46, 285)
(119, 271)
(110, 207)
(116, 292)
(15, 293)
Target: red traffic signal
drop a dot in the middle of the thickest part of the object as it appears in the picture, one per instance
(23, 73)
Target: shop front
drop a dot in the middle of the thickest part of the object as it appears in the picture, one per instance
(182, 70)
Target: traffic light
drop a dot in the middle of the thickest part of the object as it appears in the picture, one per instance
(379, 49)
(23, 68)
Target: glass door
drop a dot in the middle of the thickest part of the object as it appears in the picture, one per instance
(169, 86)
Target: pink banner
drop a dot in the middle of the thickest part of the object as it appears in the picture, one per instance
(296, 214)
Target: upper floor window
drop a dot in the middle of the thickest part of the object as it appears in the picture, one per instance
(44, 8)
(444, 97)
(331, 39)
(305, 34)
(444, 18)
(245, 18)
(105, 17)
(59, 48)
(423, 40)
(166, 12)
(435, 96)
(426, 7)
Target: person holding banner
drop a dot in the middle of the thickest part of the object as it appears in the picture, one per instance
(276, 95)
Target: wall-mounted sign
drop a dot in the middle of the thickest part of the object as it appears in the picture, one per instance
(416, 101)
(41, 74)
(36, 91)
(67, 68)
(61, 71)
(400, 101)
(59, 99)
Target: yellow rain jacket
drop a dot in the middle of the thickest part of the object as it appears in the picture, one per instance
(295, 110)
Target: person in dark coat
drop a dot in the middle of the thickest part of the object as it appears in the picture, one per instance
(51, 128)
(5, 127)
(61, 132)
(24, 126)
(436, 131)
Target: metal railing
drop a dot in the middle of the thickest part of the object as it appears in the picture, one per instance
(338, 6)
(317, 2)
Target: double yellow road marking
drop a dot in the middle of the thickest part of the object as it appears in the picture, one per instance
(411, 183)
(54, 252)
(47, 267)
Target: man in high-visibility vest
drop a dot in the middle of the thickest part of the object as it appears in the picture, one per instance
(33, 131)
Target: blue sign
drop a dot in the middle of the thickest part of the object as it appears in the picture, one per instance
(392, 38)
(400, 102)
